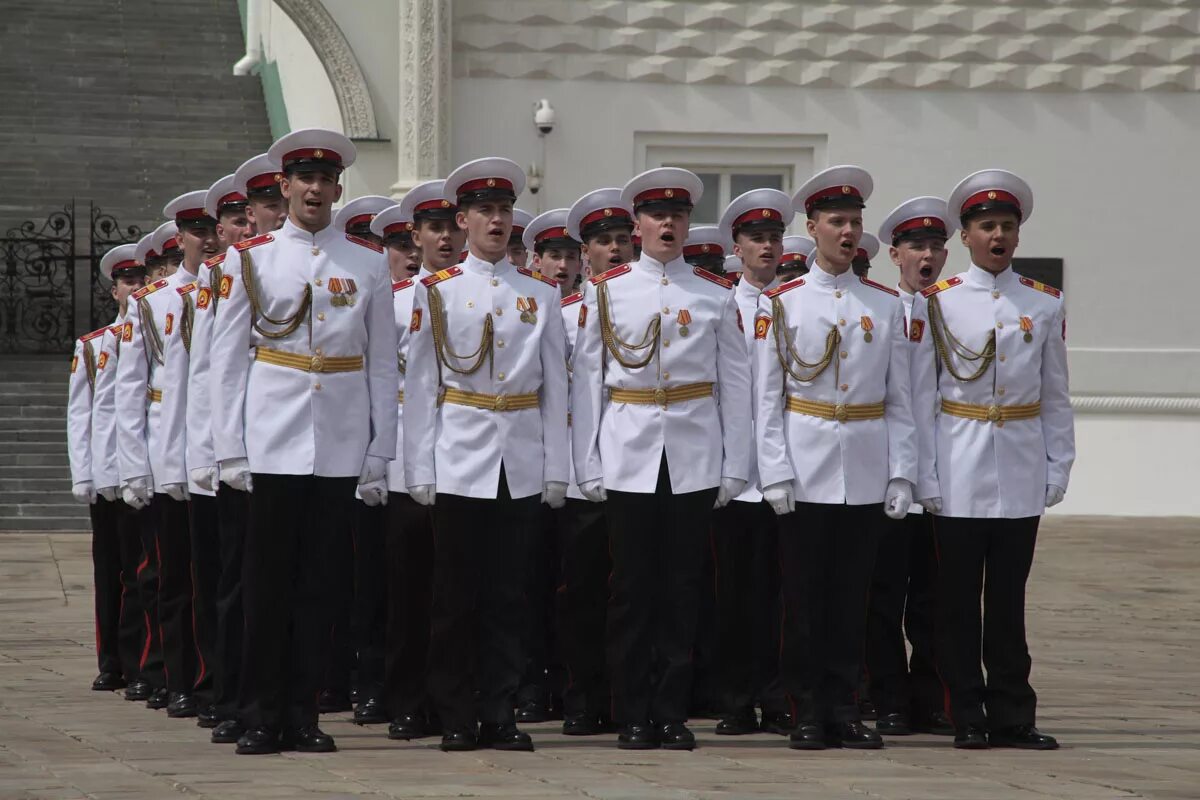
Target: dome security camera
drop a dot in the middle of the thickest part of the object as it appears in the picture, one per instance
(543, 116)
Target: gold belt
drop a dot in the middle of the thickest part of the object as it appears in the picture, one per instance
(661, 396)
(313, 363)
(400, 397)
(154, 395)
(993, 413)
(839, 412)
(489, 402)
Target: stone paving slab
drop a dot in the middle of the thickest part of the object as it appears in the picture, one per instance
(1114, 626)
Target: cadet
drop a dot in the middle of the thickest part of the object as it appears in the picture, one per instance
(745, 535)
(170, 256)
(836, 439)
(1005, 446)
(658, 340)
(868, 248)
(706, 247)
(356, 216)
(258, 178)
(487, 445)
(733, 269)
(518, 253)
(796, 252)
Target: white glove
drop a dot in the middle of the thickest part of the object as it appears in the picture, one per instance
(898, 498)
(1054, 494)
(729, 489)
(780, 498)
(374, 493)
(425, 495)
(177, 491)
(932, 504)
(236, 473)
(554, 494)
(84, 492)
(109, 493)
(374, 469)
(140, 489)
(205, 478)
(593, 490)
(131, 499)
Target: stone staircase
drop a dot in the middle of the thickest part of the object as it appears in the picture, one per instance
(35, 480)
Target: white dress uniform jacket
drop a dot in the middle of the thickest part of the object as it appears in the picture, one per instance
(106, 471)
(923, 382)
(289, 421)
(181, 413)
(748, 296)
(80, 388)
(829, 461)
(402, 302)
(987, 469)
(704, 439)
(570, 315)
(199, 378)
(460, 448)
(141, 447)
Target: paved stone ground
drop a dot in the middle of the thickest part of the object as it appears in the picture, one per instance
(1114, 605)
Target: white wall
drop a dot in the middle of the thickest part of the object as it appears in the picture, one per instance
(307, 92)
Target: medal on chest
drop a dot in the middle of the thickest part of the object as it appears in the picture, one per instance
(528, 307)
(867, 326)
(343, 291)
(684, 319)
(1027, 327)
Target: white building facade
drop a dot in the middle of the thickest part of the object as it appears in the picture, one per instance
(1095, 102)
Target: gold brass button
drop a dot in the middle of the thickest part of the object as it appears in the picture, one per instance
(495, 282)
(316, 251)
(317, 386)
(317, 351)
(843, 354)
(838, 294)
(844, 387)
(666, 342)
(500, 376)
(320, 316)
(499, 343)
(666, 310)
(499, 312)
(999, 325)
(664, 281)
(1000, 391)
(666, 376)
(318, 282)
(995, 294)
(841, 322)
(1003, 358)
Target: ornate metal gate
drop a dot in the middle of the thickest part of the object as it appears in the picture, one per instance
(105, 234)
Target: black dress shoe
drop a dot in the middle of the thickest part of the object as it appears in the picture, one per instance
(158, 699)
(181, 705)
(739, 723)
(206, 716)
(331, 701)
(458, 741)
(407, 726)
(893, 724)
(936, 723)
(1025, 737)
(852, 735)
(583, 724)
(866, 709)
(780, 723)
(309, 739)
(258, 742)
(807, 736)
(533, 711)
(504, 736)
(227, 732)
(108, 682)
(370, 712)
(971, 737)
(676, 736)
(355, 696)
(638, 736)
(138, 690)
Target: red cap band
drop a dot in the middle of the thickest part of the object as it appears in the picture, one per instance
(312, 153)
(191, 213)
(170, 244)
(990, 196)
(603, 213)
(831, 193)
(931, 224)
(706, 248)
(484, 183)
(397, 227)
(552, 233)
(264, 181)
(758, 215)
(359, 219)
(129, 263)
(863, 254)
(663, 193)
(803, 259)
(232, 197)
(430, 204)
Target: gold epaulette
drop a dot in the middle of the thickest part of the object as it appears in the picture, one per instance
(533, 273)
(572, 299)
(255, 242)
(940, 286)
(215, 260)
(868, 282)
(1041, 287)
(713, 277)
(404, 284)
(367, 243)
(149, 289)
(440, 275)
(784, 287)
(187, 288)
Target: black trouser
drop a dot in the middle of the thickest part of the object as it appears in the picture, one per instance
(902, 601)
(657, 543)
(478, 605)
(409, 584)
(582, 606)
(988, 557)
(368, 620)
(233, 513)
(116, 551)
(343, 659)
(175, 593)
(749, 608)
(541, 674)
(146, 523)
(206, 574)
(290, 566)
(826, 553)
(704, 697)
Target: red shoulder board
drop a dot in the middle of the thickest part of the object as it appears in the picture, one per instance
(116, 329)
(537, 276)
(441, 275)
(87, 337)
(610, 274)
(186, 288)
(879, 286)
(145, 290)
(404, 284)
(367, 243)
(215, 260)
(255, 242)
(1041, 287)
(572, 299)
(713, 277)
(785, 287)
(940, 285)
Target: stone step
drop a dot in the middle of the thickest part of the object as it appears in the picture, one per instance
(56, 400)
(23, 435)
(7, 448)
(36, 411)
(58, 384)
(33, 460)
(57, 484)
(8, 472)
(40, 498)
(65, 524)
(43, 510)
(58, 424)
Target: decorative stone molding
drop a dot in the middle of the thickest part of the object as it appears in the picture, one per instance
(1072, 45)
(341, 65)
(424, 132)
(1117, 404)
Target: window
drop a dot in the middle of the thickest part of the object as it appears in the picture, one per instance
(1047, 270)
(722, 186)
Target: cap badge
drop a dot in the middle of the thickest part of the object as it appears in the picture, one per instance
(927, 222)
(278, 177)
(846, 190)
(766, 212)
(991, 195)
(608, 212)
(445, 204)
(408, 226)
(669, 193)
(491, 182)
(318, 153)
(703, 248)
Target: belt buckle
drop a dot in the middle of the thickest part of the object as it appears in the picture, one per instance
(840, 413)
(500, 403)
(993, 413)
(316, 364)
(660, 397)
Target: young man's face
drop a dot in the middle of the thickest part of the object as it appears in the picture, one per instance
(837, 233)
(760, 251)
(123, 287)
(310, 195)
(517, 254)
(266, 214)
(170, 263)
(199, 243)
(920, 262)
(664, 232)
(233, 227)
(562, 264)
(440, 242)
(403, 259)
(488, 224)
(992, 238)
(608, 249)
